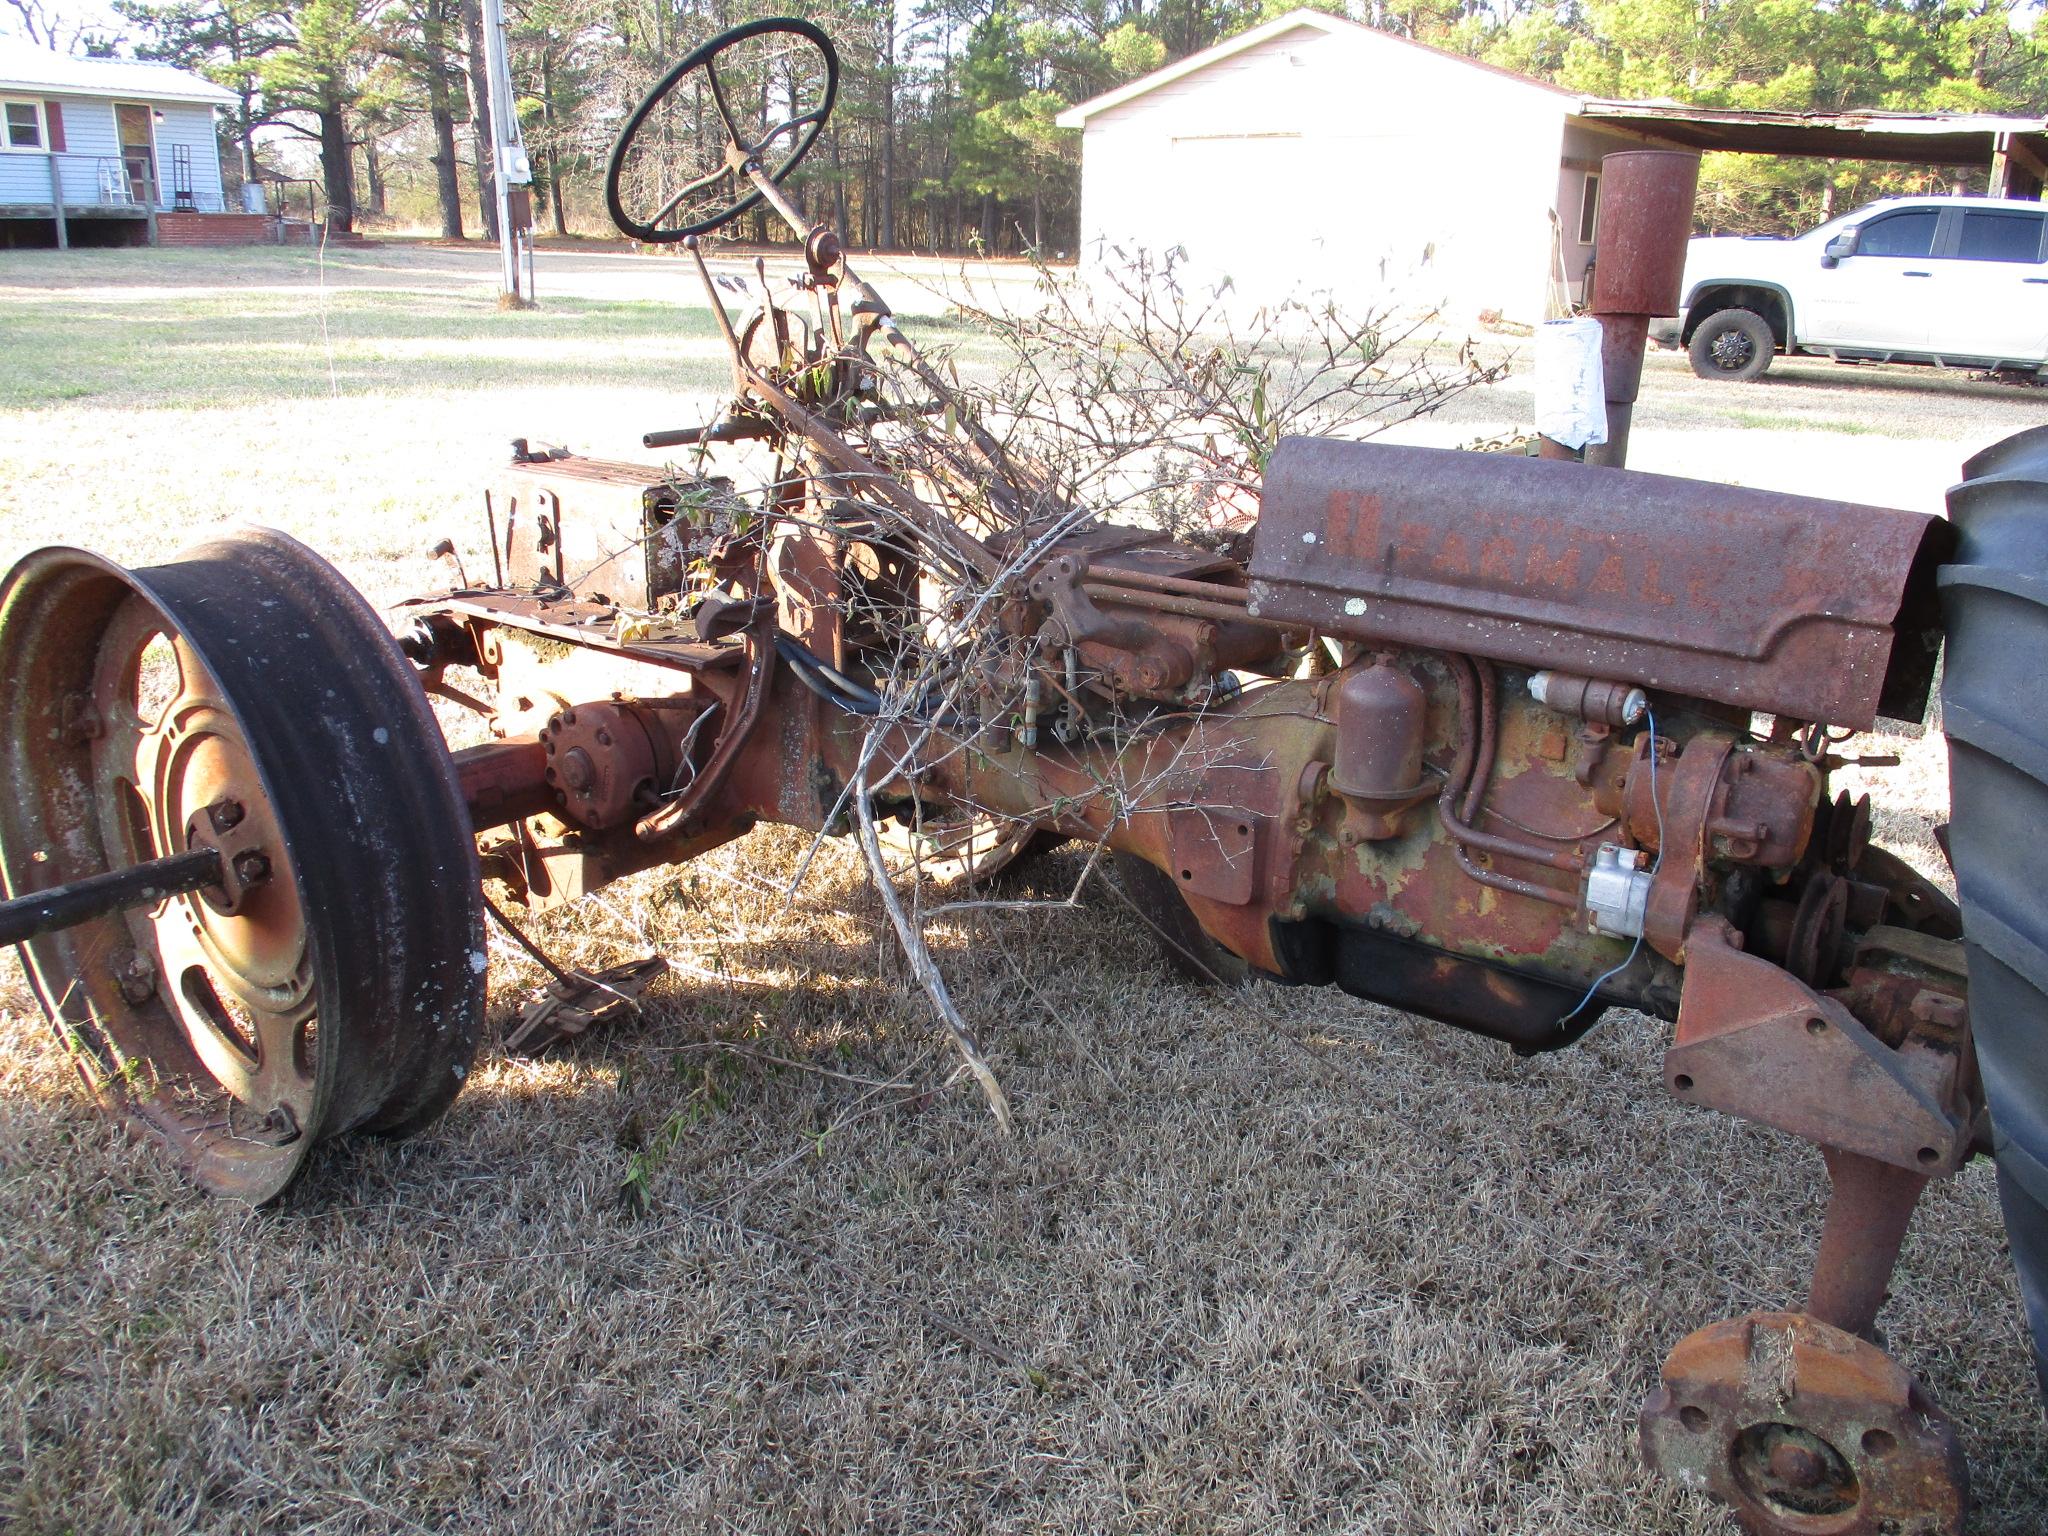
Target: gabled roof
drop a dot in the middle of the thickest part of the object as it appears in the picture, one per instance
(25, 67)
(1279, 26)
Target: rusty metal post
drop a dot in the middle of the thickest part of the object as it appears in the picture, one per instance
(1646, 198)
(1868, 1211)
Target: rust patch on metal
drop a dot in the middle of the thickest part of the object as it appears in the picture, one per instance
(1749, 598)
(1756, 1042)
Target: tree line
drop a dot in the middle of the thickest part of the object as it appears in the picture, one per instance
(945, 137)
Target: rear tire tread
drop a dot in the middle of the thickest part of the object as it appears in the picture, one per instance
(1995, 714)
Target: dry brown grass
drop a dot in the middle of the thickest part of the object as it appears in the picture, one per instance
(1269, 1261)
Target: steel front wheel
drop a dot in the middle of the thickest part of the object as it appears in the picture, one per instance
(242, 699)
(1732, 344)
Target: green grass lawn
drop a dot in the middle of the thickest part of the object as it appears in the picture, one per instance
(228, 350)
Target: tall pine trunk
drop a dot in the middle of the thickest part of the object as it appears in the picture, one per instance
(888, 220)
(245, 132)
(373, 173)
(441, 113)
(838, 185)
(337, 170)
(480, 113)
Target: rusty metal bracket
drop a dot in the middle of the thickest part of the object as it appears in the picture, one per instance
(1058, 584)
(1215, 852)
(1753, 1041)
(678, 815)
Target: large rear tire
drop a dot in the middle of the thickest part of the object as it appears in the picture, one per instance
(1994, 701)
(1159, 904)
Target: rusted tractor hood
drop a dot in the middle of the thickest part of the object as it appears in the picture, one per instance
(1822, 610)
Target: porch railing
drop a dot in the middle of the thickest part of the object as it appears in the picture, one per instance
(113, 182)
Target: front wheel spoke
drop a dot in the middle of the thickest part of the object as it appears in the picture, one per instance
(281, 1075)
(189, 988)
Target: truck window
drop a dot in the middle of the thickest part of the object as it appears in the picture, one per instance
(1989, 236)
(1899, 234)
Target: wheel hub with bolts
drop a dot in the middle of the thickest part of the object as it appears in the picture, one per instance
(1804, 1430)
(1732, 345)
(1731, 349)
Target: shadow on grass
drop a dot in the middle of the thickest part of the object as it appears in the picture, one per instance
(1880, 378)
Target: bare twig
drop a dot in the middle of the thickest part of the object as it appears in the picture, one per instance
(922, 966)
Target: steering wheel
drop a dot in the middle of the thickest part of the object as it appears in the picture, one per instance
(756, 95)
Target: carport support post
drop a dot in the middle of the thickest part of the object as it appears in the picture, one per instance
(57, 203)
(1646, 198)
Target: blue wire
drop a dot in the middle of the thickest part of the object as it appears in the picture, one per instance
(1636, 948)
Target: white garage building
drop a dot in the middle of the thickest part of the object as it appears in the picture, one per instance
(1313, 152)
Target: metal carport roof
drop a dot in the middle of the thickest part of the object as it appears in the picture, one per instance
(2013, 150)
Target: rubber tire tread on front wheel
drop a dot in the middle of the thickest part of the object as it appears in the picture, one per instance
(1752, 327)
(1994, 700)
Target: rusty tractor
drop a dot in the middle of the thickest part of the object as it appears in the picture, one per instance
(1568, 749)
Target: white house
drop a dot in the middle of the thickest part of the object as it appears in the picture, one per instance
(1314, 151)
(92, 150)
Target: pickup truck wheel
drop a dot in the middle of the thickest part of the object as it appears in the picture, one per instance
(1732, 344)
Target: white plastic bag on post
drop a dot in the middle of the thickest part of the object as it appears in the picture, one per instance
(1571, 386)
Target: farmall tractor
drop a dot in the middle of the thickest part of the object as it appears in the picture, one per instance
(1569, 751)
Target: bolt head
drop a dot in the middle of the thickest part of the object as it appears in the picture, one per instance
(1798, 1465)
(135, 976)
(578, 772)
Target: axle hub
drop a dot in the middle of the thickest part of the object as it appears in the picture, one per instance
(1805, 1431)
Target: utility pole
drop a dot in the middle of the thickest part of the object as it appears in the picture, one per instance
(508, 159)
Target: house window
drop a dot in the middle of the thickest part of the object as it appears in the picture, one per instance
(24, 120)
(1589, 209)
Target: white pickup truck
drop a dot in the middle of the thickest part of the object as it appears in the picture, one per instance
(1953, 281)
